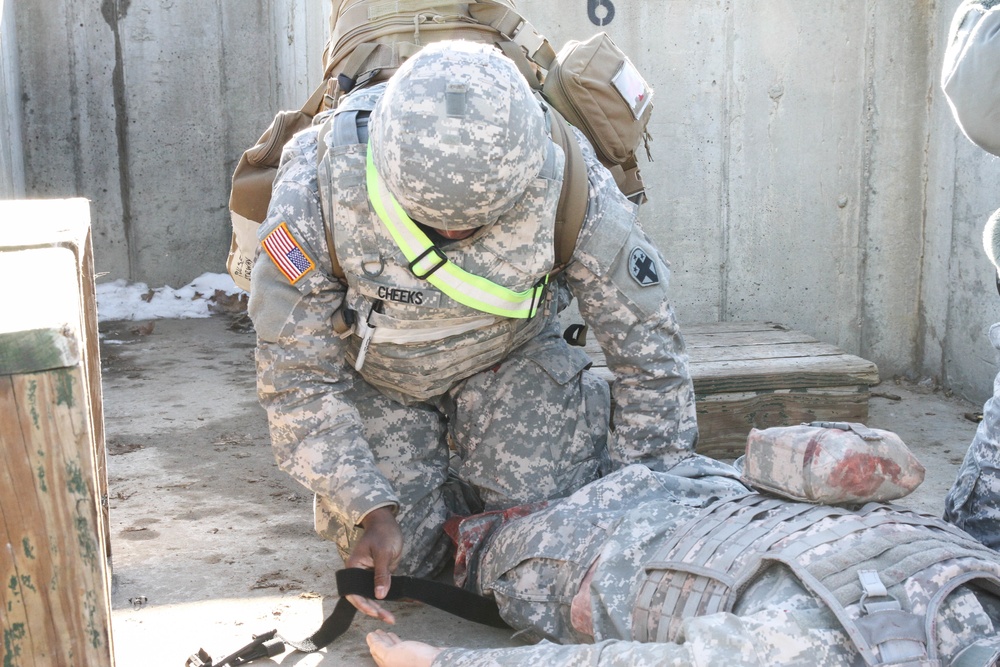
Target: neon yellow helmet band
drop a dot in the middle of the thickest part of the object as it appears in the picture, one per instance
(428, 262)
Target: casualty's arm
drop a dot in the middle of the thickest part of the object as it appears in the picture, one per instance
(970, 76)
(773, 635)
(301, 379)
(611, 653)
(722, 640)
(620, 281)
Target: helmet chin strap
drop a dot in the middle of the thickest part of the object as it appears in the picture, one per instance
(458, 234)
(445, 236)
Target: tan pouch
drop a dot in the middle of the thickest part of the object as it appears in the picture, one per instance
(831, 462)
(252, 181)
(596, 87)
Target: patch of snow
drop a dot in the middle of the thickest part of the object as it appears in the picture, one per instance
(120, 300)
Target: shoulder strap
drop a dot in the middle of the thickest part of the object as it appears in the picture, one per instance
(347, 129)
(338, 271)
(503, 17)
(575, 195)
(314, 104)
(347, 79)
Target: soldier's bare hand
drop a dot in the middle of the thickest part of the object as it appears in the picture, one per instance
(379, 549)
(388, 650)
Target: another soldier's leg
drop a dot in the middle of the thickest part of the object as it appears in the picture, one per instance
(973, 503)
(408, 443)
(533, 427)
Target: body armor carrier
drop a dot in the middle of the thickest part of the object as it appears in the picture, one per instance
(409, 338)
(855, 562)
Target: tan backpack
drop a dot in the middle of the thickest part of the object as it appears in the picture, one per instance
(592, 84)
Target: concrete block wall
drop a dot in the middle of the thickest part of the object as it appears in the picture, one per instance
(806, 169)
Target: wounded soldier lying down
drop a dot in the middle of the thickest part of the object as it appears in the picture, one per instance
(690, 567)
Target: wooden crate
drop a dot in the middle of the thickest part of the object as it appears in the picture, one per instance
(55, 605)
(760, 374)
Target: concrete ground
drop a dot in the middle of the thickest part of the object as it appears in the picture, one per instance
(211, 543)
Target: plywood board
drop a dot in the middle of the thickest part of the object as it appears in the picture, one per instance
(54, 597)
(725, 420)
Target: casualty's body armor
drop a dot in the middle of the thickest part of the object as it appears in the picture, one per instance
(883, 573)
(400, 320)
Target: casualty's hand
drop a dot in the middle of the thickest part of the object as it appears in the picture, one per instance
(379, 549)
(388, 650)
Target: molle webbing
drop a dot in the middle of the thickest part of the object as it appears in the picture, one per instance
(436, 369)
(370, 40)
(836, 569)
(709, 562)
(696, 572)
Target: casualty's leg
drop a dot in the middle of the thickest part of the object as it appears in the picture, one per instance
(973, 503)
(532, 428)
(535, 566)
(408, 443)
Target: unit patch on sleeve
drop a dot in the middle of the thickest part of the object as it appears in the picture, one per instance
(642, 268)
(287, 254)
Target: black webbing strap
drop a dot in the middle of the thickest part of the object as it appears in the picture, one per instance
(355, 581)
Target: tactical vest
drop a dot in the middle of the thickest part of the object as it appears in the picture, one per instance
(400, 319)
(855, 562)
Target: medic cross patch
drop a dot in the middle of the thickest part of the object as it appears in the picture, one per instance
(642, 268)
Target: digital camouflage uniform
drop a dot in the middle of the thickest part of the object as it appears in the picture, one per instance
(971, 81)
(523, 417)
(638, 535)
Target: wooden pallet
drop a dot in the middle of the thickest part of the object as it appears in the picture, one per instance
(761, 374)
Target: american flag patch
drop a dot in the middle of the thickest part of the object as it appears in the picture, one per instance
(287, 254)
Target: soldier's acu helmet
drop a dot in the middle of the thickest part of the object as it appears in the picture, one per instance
(458, 136)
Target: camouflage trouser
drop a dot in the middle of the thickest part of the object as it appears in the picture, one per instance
(532, 428)
(535, 564)
(973, 503)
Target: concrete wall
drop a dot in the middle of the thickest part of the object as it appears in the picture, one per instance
(959, 298)
(806, 169)
(144, 106)
(788, 158)
(11, 151)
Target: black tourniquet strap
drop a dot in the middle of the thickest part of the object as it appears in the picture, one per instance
(355, 581)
